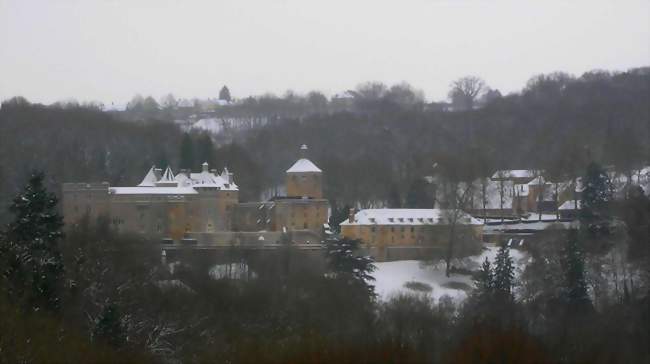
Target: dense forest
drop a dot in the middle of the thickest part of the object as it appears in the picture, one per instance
(374, 150)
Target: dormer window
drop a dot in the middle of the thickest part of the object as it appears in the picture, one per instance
(430, 220)
(372, 220)
(401, 219)
(390, 219)
(410, 219)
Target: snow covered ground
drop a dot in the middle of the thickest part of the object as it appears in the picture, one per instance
(391, 277)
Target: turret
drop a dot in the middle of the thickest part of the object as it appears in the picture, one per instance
(304, 178)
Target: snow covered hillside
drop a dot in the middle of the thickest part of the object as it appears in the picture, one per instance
(219, 125)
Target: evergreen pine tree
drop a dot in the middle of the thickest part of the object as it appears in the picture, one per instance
(598, 191)
(338, 216)
(187, 152)
(345, 264)
(224, 94)
(30, 256)
(504, 274)
(484, 281)
(574, 270)
(108, 327)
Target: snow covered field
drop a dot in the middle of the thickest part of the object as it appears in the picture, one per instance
(391, 277)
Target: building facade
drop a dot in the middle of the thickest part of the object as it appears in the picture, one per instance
(391, 234)
(174, 206)
(162, 205)
(302, 209)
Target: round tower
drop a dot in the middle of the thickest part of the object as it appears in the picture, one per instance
(304, 179)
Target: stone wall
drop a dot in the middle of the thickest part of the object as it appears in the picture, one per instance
(307, 184)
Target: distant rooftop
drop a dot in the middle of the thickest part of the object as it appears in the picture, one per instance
(514, 173)
(407, 217)
(158, 182)
(152, 191)
(303, 165)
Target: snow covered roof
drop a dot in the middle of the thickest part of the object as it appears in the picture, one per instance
(168, 176)
(407, 217)
(151, 178)
(168, 183)
(570, 205)
(209, 179)
(152, 191)
(303, 165)
(514, 173)
(167, 179)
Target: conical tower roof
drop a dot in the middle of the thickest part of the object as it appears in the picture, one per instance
(168, 176)
(303, 164)
(150, 179)
(167, 179)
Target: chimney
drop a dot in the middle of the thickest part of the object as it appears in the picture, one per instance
(205, 166)
(303, 151)
(351, 215)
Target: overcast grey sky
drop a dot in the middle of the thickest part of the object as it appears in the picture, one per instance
(109, 50)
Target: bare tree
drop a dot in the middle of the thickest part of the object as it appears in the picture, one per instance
(465, 91)
(459, 195)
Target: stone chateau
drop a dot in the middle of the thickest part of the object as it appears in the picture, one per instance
(204, 207)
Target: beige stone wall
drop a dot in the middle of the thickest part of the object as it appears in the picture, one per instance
(382, 236)
(302, 214)
(254, 216)
(84, 199)
(154, 215)
(295, 214)
(308, 184)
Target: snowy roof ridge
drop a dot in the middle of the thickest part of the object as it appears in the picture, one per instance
(303, 165)
(168, 176)
(152, 190)
(407, 217)
(150, 178)
(515, 173)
